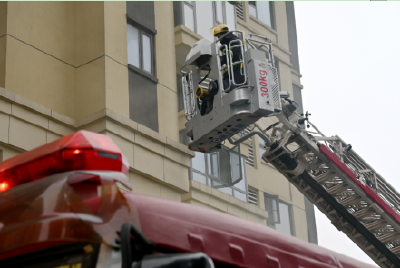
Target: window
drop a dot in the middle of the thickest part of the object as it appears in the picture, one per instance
(262, 10)
(223, 170)
(297, 97)
(140, 49)
(219, 13)
(204, 22)
(279, 214)
(189, 14)
(201, 16)
(183, 138)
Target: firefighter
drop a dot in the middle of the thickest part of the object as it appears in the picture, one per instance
(207, 97)
(219, 31)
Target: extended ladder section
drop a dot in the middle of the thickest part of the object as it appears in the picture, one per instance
(357, 200)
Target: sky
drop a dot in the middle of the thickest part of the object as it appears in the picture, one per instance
(349, 55)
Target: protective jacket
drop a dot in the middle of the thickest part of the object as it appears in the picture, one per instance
(236, 56)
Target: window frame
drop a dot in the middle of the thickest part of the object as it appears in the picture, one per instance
(255, 7)
(192, 5)
(267, 198)
(271, 14)
(141, 32)
(290, 211)
(223, 12)
(210, 178)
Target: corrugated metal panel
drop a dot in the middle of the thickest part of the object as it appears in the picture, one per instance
(253, 196)
(239, 11)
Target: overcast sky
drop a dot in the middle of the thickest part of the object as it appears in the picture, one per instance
(349, 56)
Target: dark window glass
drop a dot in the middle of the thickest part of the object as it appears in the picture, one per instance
(183, 138)
(219, 12)
(201, 16)
(279, 214)
(284, 225)
(204, 23)
(146, 44)
(133, 46)
(264, 12)
(252, 8)
(200, 178)
(198, 162)
(189, 17)
(230, 16)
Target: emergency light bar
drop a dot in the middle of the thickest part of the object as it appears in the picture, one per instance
(82, 150)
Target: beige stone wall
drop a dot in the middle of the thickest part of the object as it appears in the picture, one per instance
(116, 79)
(3, 38)
(158, 164)
(89, 47)
(165, 70)
(68, 56)
(30, 72)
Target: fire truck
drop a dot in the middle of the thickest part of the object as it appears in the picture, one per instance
(61, 205)
(327, 170)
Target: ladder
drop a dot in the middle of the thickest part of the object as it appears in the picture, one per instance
(357, 200)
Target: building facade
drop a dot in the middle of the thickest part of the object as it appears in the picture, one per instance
(113, 68)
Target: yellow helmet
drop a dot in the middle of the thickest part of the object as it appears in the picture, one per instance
(221, 28)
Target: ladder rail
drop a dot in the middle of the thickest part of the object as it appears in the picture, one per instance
(188, 96)
(365, 210)
(378, 183)
(242, 61)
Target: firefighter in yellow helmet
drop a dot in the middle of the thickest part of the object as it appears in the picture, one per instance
(222, 30)
(207, 100)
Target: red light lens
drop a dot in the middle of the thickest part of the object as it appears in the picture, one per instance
(4, 187)
(82, 150)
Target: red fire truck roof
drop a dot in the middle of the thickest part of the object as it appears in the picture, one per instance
(229, 239)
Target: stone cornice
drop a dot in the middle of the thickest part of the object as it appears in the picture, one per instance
(69, 124)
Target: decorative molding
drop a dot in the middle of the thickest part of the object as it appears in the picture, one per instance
(66, 122)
